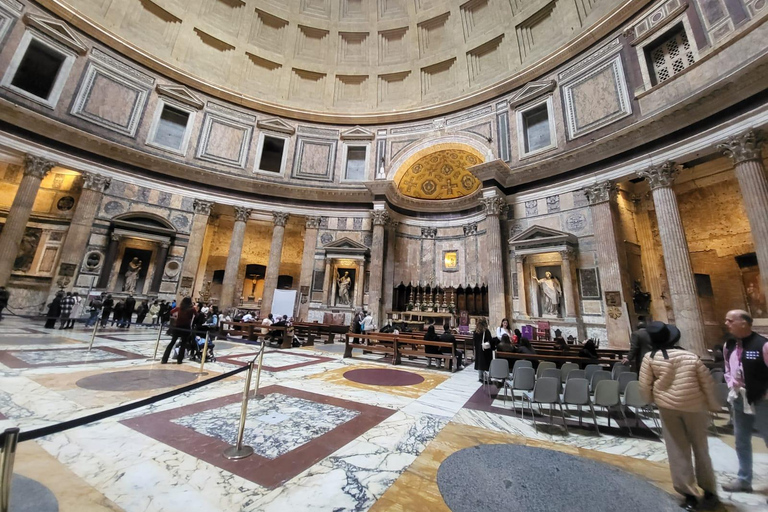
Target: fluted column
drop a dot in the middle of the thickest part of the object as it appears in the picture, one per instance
(389, 267)
(569, 291)
(379, 218)
(160, 257)
(617, 325)
(35, 169)
(359, 291)
(308, 264)
(497, 304)
(227, 299)
(649, 257)
(76, 241)
(677, 259)
(194, 246)
(522, 303)
(109, 261)
(746, 152)
(275, 255)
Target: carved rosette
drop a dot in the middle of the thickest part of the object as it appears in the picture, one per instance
(494, 205)
(429, 232)
(202, 207)
(600, 192)
(743, 147)
(96, 182)
(279, 218)
(660, 176)
(37, 166)
(314, 222)
(242, 213)
(379, 217)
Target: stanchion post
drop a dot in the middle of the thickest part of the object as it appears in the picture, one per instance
(6, 467)
(256, 395)
(93, 335)
(157, 342)
(239, 451)
(205, 351)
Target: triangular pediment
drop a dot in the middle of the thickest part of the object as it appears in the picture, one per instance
(531, 91)
(541, 236)
(56, 30)
(357, 133)
(345, 243)
(181, 94)
(276, 125)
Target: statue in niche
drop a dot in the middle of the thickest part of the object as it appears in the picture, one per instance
(132, 275)
(551, 293)
(344, 283)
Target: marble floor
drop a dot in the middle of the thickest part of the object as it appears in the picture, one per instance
(322, 441)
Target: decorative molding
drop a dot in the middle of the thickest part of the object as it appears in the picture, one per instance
(606, 51)
(470, 229)
(202, 207)
(660, 176)
(744, 147)
(313, 222)
(380, 217)
(276, 125)
(428, 232)
(37, 166)
(180, 93)
(601, 192)
(97, 182)
(319, 132)
(203, 152)
(242, 213)
(119, 66)
(411, 129)
(10, 10)
(531, 91)
(494, 205)
(13, 5)
(301, 145)
(280, 218)
(479, 112)
(655, 20)
(231, 113)
(56, 30)
(357, 133)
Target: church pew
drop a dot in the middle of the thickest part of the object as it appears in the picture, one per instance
(375, 344)
(557, 359)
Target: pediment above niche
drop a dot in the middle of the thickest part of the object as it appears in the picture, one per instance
(357, 133)
(531, 91)
(345, 243)
(542, 239)
(181, 94)
(276, 125)
(56, 30)
(345, 247)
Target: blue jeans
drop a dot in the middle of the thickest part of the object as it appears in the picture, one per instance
(743, 425)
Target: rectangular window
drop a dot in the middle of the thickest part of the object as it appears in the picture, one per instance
(536, 129)
(669, 55)
(171, 128)
(356, 163)
(38, 70)
(272, 154)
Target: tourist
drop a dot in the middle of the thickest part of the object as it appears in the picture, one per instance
(117, 313)
(681, 386)
(181, 330)
(431, 335)
(746, 372)
(128, 308)
(76, 311)
(67, 303)
(357, 323)
(106, 310)
(639, 345)
(154, 312)
(503, 329)
(505, 344)
(165, 312)
(483, 347)
(94, 308)
(525, 347)
(141, 312)
(4, 297)
(560, 343)
(589, 350)
(54, 310)
(367, 325)
(448, 337)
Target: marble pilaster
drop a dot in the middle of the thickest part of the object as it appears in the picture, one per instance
(109, 260)
(308, 265)
(494, 266)
(35, 169)
(427, 267)
(569, 278)
(359, 290)
(379, 218)
(227, 299)
(389, 266)
(160, 258)
(746, 152)
(600, 196)
(275, 255)
(677, 259)
(195, 246)
(522, 308)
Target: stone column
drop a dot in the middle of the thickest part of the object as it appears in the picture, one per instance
(379, 218)
(109, 261)
(569, 290)
(389, 267)
(328, 284)
(497, 304)
(35, 169)
(746, 152)
(600, 197)
(654, 274)
(359, 290)
(75, 244)
(682, 287)
(160, 257)
(273, 267)
(427, 274)
(308, 264)
(195, 246)
(227, 299)
(521, 295)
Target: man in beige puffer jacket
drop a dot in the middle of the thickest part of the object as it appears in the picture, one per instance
(683, 389)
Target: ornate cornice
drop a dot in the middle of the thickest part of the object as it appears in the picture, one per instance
(743, 147)
(600, 192)
(280, 218)
(242, 213)
(202, 207)
(96, 182)
(314, 222)
(429, 232)
(379, 217)
(569, 253)
(660, 176)
(37, 166)
(494, 205)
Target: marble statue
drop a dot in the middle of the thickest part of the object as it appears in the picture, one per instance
(132, 275)
(551, 293)
(344, 283)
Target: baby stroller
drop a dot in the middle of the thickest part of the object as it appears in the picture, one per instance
(199, 344)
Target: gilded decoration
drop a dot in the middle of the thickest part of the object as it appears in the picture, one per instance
(440, 174)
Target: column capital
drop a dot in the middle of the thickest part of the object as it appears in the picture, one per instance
(242, 213)
(37, 166)
(601, 192)
(379, 217)
(393, 224)
(165, 245)
(519, 258)
(202, 207)
(661, 176)
(96, 182)
(314, 222)
(569, 253)
(279, 218)
(743, 147)
(115, 237)
(470, 229)
(428, 232)
(494, 205)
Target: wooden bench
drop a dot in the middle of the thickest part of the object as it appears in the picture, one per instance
(247, 330)
(398, 345)
(374, 345)
(285, 338)
(557, 359)
(404, 350)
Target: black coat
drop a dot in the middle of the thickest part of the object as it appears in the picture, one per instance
(483, 358)
(54, 308)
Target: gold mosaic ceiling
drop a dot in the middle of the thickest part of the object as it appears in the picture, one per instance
(441, 174)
